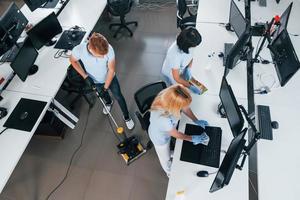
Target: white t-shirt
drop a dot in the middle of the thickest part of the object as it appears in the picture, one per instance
(160, 126)
(176, 59)
(95, 67)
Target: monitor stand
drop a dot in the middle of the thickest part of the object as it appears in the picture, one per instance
(33, 69)
(51, 42)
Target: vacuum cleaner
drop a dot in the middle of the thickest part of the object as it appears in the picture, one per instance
(130, 148)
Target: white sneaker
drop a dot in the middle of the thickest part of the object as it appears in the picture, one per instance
(130, 124)
(108, 106)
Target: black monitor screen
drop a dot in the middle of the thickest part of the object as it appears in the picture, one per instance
(284, 19)
(284, 57)
(237, 51)
(24, 60)
(229, 162)
(44, 31)
(34, 4)
(236, 19)
(12, 24)
(232, 110)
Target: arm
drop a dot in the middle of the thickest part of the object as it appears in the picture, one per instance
(188, 112)
(176, 134)
(178, 79)
(76, 65)
(110, 74)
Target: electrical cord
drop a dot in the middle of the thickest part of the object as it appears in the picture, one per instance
(62, 53)
(73, 156)
(253, 186)
(3, 131)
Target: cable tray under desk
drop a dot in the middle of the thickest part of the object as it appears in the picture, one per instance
(200, 154)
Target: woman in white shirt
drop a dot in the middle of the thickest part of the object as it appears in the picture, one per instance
(164, 115)
(179, 59)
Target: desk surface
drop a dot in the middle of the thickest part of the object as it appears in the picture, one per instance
(183, 174)
(208, 67)
(14, 142)
(46, 82)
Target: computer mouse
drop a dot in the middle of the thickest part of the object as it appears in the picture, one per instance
(202, 173)
(274, 124)
(221, 55)
(23, 115)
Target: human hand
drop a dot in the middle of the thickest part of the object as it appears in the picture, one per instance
(90, 81)
(202, 123)
(200, 139)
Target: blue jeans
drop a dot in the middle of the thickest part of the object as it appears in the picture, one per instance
(116, 91)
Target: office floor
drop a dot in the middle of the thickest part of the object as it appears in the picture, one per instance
(98, 172)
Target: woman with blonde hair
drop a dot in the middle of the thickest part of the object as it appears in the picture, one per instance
(164, 115)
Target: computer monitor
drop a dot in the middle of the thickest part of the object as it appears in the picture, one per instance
(231, 108)
(34, 4)
(23, 64)
(12, 24)
(237, 52)
(43, 32)
(236, 20)
(284, 57)
(229, 162)
(284, 19)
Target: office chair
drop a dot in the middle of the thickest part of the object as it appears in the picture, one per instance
(74, 83)
(182, 21)
(120, 8)
(144, 98)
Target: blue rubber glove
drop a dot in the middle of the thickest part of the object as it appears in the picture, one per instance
(198, 139)
(202, 123)
(195, 89)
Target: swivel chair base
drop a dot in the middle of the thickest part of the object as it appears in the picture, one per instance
(122, 25)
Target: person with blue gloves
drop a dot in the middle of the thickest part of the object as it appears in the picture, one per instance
(179, 59)
(164, 115)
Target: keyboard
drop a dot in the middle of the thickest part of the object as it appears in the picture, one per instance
(10, 55)
(227, 48)
(264, 122)
(200, 154)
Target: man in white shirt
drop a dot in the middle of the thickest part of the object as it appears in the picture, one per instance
(98, 58)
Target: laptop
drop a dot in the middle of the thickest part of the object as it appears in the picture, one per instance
(201, 154)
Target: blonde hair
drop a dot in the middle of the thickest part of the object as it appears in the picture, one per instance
(99, 43)
(172, 100)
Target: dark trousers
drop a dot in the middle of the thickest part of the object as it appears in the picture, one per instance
(116, 91)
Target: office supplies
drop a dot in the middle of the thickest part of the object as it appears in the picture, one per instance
(69, 39)
(23, 63)
(231, 108)
(12, 24)
(44, 32)
(200, 154)
(17, 119)
(229, 162)
(264, 122)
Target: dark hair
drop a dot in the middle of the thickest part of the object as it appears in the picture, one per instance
(188, 38)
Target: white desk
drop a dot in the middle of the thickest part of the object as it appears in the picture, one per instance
(14, 142)
(183, 174)
(216, 11)
(46, 82)
(209, 70)
(82, 13)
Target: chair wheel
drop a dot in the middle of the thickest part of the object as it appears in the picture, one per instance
(135, 23)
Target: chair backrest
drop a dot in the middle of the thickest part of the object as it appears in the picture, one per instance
(145, 95)
(119, 7)
(181, 7)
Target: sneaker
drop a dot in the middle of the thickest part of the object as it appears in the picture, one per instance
(129, 123)
(108, 106)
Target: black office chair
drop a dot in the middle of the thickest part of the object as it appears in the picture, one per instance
(74, 83)
(144, 98)
(120, 8)
(182, 21)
